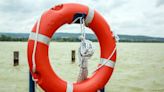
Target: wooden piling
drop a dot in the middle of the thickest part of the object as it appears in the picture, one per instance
(73, 56)
(16, 58)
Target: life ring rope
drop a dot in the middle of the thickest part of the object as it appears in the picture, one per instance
(35, 45)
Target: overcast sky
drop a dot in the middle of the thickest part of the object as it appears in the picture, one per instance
(134, 17)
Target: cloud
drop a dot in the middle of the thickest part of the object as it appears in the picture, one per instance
(134, 17)
(160, 3)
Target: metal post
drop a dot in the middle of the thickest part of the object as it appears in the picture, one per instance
(31, 83)
(102, 90)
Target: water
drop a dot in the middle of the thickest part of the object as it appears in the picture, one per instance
(139, 67)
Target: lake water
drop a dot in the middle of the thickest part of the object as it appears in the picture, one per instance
(139, 67)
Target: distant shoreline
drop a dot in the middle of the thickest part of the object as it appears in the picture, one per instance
(74, 37)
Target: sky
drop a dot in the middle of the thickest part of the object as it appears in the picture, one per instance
(131, 17)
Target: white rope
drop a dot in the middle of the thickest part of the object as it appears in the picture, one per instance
(38, 88)
(85, 51)
(105, 62)
(82, 24)
(76, 19)
(35, 45)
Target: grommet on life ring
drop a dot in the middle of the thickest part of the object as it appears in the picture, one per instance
(41, 35)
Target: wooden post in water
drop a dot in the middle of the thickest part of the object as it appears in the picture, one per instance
(73, 56)
(16, 58)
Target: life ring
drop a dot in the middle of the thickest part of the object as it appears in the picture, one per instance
(50, 21)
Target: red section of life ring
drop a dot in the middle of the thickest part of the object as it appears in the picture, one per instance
(50, 21)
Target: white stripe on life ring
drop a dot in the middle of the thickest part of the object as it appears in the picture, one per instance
(89, 17)
(69, 87)
(110, 63)
(41, 38)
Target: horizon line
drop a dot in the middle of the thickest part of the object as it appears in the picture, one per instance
(86, 33)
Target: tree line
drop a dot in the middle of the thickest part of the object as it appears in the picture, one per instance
(76, 39)
(9, 38)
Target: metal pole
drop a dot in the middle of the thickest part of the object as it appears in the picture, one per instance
(102, 90)
(31, 83)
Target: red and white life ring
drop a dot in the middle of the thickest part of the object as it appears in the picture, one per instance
(50, 21)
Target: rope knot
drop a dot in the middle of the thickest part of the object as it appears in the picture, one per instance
(86, 50)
